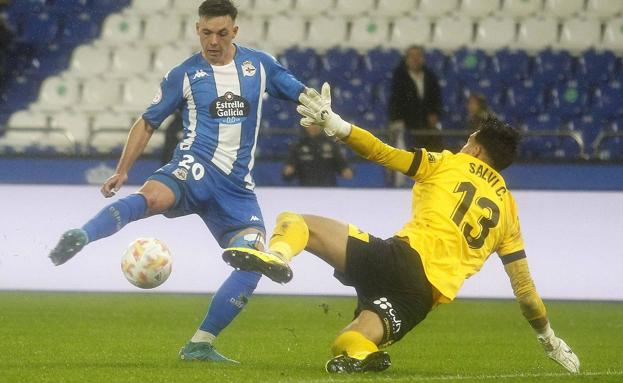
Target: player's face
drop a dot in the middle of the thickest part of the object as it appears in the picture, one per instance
(216, 35)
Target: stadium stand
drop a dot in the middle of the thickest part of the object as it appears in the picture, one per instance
(80, 70)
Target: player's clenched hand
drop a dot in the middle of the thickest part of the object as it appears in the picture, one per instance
(316, 109)
(557, 350)
(113, 184)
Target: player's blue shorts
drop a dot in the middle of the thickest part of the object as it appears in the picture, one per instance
(226, 208)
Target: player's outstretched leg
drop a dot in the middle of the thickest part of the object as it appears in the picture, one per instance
(289, 238)
(273, 265)
(203, 351)
(71, 242)
(374, 362)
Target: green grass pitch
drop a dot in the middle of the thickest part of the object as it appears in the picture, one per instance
(70, 337)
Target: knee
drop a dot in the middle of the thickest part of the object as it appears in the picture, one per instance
(155, 203)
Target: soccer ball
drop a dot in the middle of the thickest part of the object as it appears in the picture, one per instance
(146, 263)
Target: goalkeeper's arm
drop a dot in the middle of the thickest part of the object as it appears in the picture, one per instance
(534, 311)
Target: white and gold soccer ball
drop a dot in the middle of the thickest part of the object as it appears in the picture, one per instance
(146, 263)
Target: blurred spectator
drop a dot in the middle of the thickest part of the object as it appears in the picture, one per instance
(172, 136)
(415, 101)
(6, 36)
(477, 110)
(315, 160)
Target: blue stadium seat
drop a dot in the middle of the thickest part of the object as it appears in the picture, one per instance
(275, 144)
(608, 102)
(543, 122)
(451, 94)
(26, 6)
(588, 126)
(611, 148)
(341, 63)
(552, 66)
(71, 6)
(352, 98)
(596, 66)
(39, 28)
(569, 99)
(303, 63)
(526, 98)
(494, 91)
(79, 29)
(18, 93)
(47, 60)
(380, 63)
(469, 64)
(374, 117)
(437, 61)
(511, 66)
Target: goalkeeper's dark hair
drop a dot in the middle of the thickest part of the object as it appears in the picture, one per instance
(500, 141)
(214, 8)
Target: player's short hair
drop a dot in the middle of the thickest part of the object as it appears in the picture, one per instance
(215, 8)
(500, 141)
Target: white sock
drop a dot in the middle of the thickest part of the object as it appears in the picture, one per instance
(203, 336)
(545, 333)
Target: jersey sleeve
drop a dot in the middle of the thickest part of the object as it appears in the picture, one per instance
(167, 99)
(280, 82)
(512, 246)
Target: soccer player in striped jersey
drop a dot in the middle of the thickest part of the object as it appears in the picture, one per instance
(219, 92)
(462, 212)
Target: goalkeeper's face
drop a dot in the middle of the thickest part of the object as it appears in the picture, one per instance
(216, 35)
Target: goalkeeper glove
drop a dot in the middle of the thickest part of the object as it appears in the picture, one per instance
(557, 350)
(316, 109)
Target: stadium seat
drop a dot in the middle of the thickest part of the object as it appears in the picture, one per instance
(469, 64)
(394, 8)
(82, 28)
(251, 30)
(25, 6)
(112, 121)
(70, 6)
(597, 66)
(129, 61)
(588, 126)
(494, 91)
(168, 57)
(551, 66)
(156, 143)
(88, 61)
(311, 8)
(526, 98)
(521, 8)
(76, 124)
(478, 9)
(20, 142)
(603, 9)
(186, 8)
(437, 61)
(410, 30)
(352, 8)
(148, 7)
(611, 148)
(137, 94)
(563, 9)
(56, 94)
(27, 119)
(276, 35)
(578, 34)
(569, 100)
(39, 28)
(543, 122)
(270, 7)
(495, 33)
(303, 63)
(607, 103)
(326, 32)
(437, 8)
(537, 33)
(161, 29)
(341, 64)
(367, 33)
(119, 29)
(451, 33)
(380, 63)
(613, 35)
(511, 66)
(107, 142)
(99, 94)
(275, 144)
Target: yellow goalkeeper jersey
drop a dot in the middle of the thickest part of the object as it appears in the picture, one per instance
(461, 211)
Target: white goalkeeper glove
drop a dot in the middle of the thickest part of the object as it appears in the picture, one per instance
(557, 350)
(316, 110)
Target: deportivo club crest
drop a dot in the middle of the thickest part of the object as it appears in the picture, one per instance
(248, 70)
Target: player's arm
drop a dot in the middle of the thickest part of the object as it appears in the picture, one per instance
(533, 309)
(137, 140)
(280, 82)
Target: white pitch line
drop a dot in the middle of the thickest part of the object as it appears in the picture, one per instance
(378, 378)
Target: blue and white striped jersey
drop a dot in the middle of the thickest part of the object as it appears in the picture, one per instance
(222, 106)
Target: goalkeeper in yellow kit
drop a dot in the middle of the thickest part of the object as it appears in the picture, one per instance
(461, 214)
